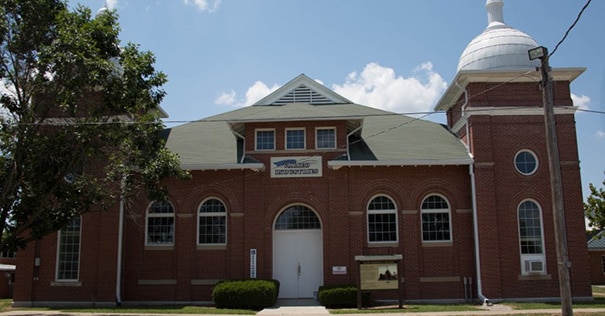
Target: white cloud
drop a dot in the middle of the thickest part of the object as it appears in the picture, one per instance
(382, 88)
(256, 92)
(581, 101)
(205, 5)
(10, 92)
(600, 134)
(226, 98)
(111, 4)
(375, 86)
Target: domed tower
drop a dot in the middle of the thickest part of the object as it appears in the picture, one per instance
(494, 105)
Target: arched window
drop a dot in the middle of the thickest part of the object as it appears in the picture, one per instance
(297, 217)
(531, 239)
(436, 223)
(382, 220)
(212, 223)
(160, 224)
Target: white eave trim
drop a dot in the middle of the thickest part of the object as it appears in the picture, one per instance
(464, 77)
(509, 111)
(234, 166)
(337, 164)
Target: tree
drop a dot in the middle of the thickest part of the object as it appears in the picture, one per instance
(594, 207)
(81, 124)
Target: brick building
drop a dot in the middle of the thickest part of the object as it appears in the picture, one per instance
(297, 185)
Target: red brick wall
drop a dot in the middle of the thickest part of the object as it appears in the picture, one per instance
(495, 139)
(185, 272)
(596, 267)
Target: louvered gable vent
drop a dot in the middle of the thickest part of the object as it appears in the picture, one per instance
(302, 89)
(303, 94)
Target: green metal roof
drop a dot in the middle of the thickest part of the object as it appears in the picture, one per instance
(378, 137)
(597, 242)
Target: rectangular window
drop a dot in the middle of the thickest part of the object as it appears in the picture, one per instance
(8, 254)
(295, 138)
(435, 226)
(382, 227)
(265, 139)
(160, 230)
(603, 264)
(325, 138)
(212, 230)
(68, 251)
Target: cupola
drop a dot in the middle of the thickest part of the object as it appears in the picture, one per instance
(499, 46)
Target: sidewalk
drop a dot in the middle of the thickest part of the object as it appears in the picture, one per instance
(314, 310)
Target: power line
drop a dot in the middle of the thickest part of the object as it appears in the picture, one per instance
(570, 28)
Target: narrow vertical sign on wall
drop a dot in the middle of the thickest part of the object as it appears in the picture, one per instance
(253, 263)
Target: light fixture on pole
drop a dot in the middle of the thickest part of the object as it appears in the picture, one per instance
(538, 52)
(554, 163)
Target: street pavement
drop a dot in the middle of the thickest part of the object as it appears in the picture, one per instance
(314, 310)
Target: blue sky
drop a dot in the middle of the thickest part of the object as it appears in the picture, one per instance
(392, 54)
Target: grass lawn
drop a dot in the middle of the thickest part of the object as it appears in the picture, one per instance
(598, 293)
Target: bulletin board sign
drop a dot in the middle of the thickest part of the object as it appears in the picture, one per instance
(379, 276)
(378, 273)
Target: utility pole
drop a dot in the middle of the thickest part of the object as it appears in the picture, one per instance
(554, 163)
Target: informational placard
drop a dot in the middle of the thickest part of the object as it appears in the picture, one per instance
(296, 167)
(379, 276)
(379, 272)
(339, 270)
(252, 263)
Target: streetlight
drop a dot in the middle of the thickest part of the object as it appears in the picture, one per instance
(554, 163)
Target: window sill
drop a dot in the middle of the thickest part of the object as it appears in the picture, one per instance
(66, 283)
(429, 244)
(532, 277)
(384, 244)
(211, 247)
(159, 247)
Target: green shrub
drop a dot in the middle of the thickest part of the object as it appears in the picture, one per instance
(341, 296)
(245, 294)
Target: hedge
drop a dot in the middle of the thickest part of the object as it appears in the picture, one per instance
(245, 294)
(341, 296)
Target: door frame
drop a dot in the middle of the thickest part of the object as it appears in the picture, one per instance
(319, 256)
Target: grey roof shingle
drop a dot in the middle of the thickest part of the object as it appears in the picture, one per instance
(385, 137)
(597, 242)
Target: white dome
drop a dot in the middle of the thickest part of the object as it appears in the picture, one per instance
(499, 46)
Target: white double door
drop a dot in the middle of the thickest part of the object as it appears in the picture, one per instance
(298, 262)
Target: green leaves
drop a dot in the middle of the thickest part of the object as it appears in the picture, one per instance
(594, 207)
(85, 127)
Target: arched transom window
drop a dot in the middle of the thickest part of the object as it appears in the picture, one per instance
(212, 223)
(436, 224)
(382, 220)
(297, 217)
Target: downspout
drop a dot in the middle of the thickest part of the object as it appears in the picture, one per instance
(120, 241)
(349, 135)
(471, 169)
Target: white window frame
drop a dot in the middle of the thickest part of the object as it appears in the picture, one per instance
(159, 215)
(304, 141)
(317, 129)
(531, 152)
(447, 211)
(211, 214)
(382, 211)
(256, 139)
(532, 257)
(59, 254)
